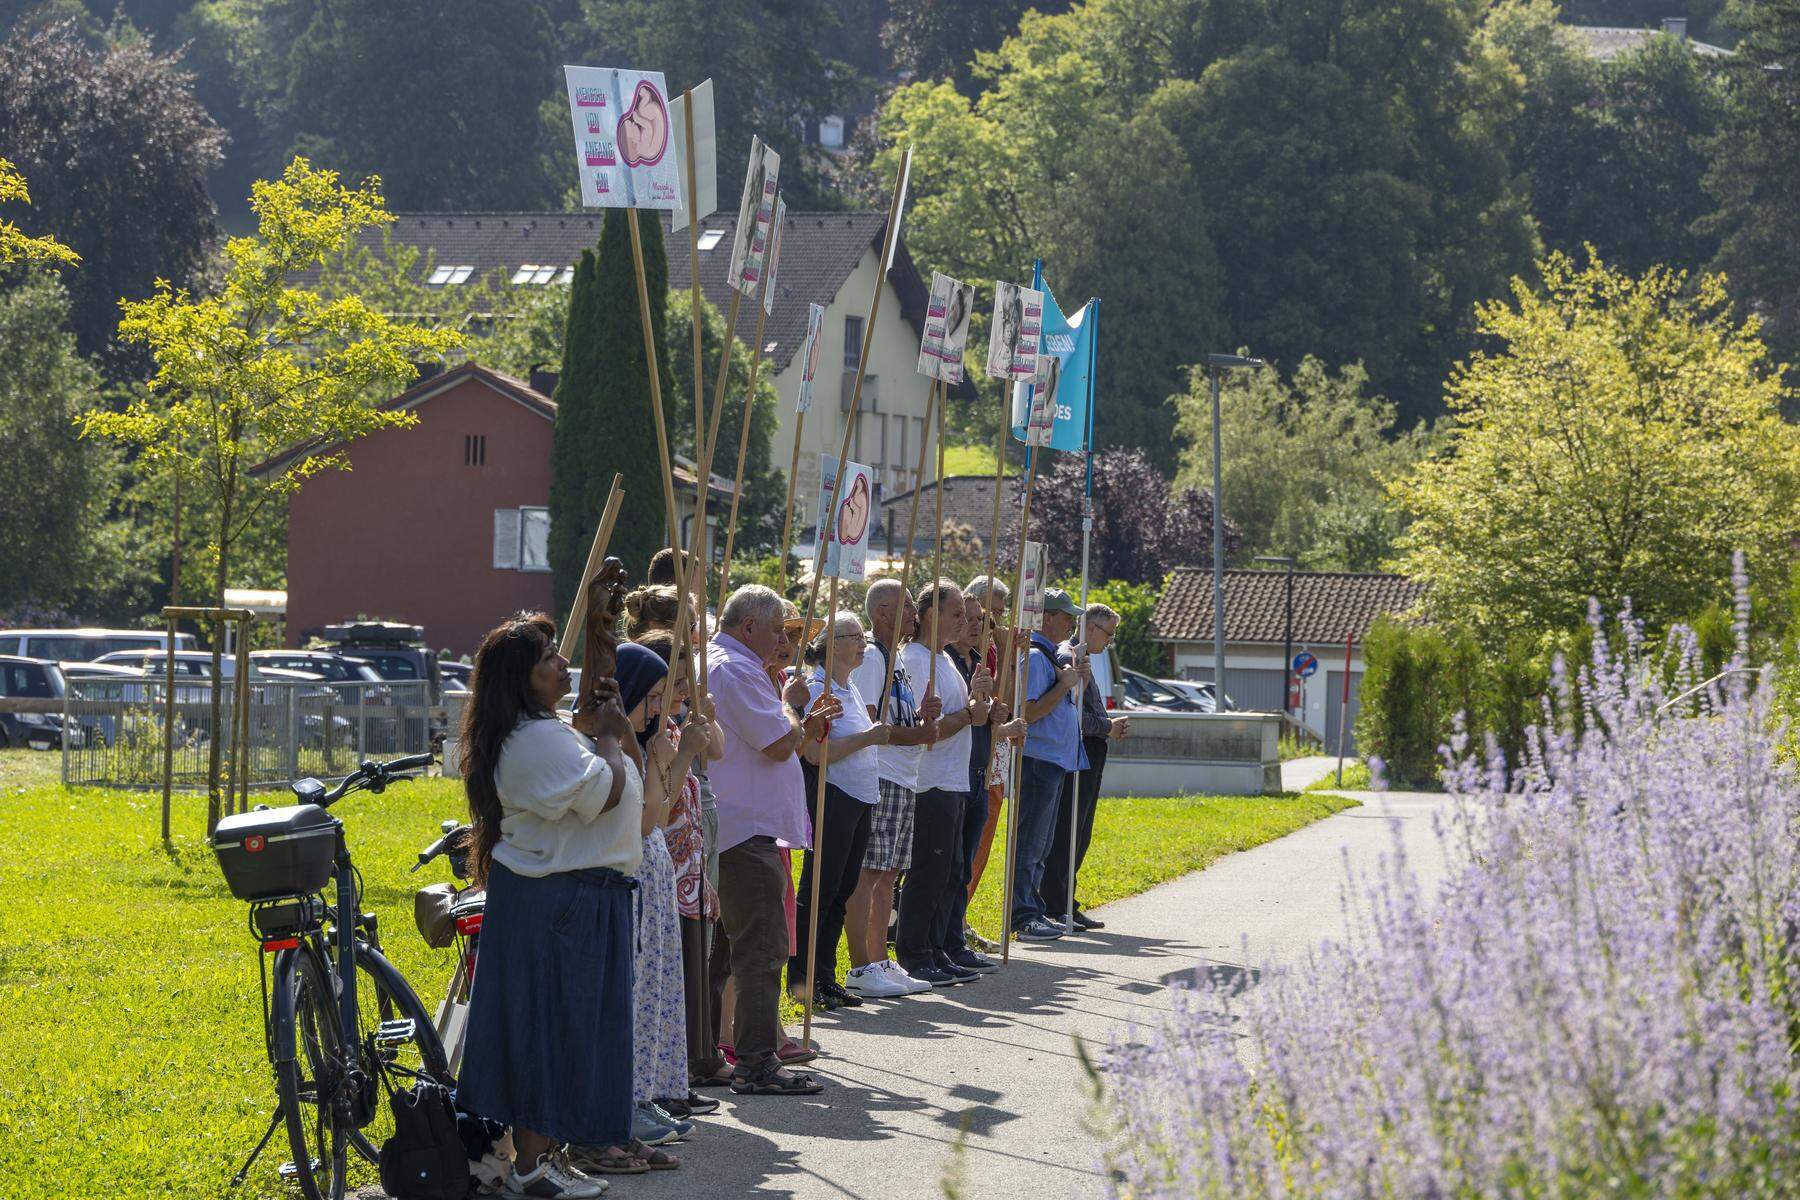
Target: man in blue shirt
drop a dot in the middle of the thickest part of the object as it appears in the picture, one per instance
(1052, 750)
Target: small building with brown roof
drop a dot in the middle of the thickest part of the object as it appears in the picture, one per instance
(1329, 608)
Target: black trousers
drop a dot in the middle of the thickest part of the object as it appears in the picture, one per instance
(697, 994)
(1055, 890)
(838, 857)
(930, 886)
(975, 811)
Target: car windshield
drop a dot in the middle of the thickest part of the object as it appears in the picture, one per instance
(31, 681)
(391, 666)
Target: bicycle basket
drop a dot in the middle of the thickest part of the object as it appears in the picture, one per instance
(276, 852)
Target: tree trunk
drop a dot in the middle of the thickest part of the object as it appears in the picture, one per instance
(213, 797)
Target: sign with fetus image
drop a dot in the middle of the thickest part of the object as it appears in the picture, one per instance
(1031, 586)
(847, 554)
(756, 217)
(1013, 337)
(622, 135)
(809, 355)
(946, 328)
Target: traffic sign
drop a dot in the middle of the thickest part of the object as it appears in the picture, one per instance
(1305, 665)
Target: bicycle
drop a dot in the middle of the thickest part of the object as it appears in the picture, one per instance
(328, 1086)
(459, 921)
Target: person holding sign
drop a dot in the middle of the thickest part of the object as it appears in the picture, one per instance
(1099, 729)
(1052, 750)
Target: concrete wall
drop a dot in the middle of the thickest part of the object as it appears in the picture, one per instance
(893, 390)
(1199, 754)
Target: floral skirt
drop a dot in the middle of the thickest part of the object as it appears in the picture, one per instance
(659, 1041)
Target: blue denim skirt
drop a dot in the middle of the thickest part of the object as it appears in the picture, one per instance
(550, 1019)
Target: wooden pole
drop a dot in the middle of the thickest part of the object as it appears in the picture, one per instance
(702, 534)
(662, 432)
(912, 529)
(1012, 803)
(787, 513)
(937, 556)
(702, 490)
(609, 517)
(240, 777)
(169, 731)
(993, 566)
(818, 837)
(829, 532)
(756, 352)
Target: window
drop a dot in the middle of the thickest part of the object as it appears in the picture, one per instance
(831, 132)
(568, 275)
(534, 539)
(444, 275)
(710, 238)
(506, 539)
(853, 336)
(544, 274)
(474, 449)
(524, 274)
(28, 681)
(901, 461)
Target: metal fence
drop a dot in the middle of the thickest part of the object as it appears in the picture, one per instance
(115, 729)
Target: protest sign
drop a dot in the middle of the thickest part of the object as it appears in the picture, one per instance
(756, 211)
(847, 556)
(774, 255)
(946, 329)
(706, 153)
(1013, 337)
(1040, 421)
(809, 355)
(1031, 586)
(1053, 410)
(621, 122)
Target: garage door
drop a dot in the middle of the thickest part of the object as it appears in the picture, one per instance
(1334, 705)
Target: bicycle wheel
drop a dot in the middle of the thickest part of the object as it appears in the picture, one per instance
(306, 1086)
(383, 995)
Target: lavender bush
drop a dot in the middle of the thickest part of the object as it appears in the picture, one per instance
(1600, 1000)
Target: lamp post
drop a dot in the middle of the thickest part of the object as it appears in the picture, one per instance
(1287, 636)
(1216, 366)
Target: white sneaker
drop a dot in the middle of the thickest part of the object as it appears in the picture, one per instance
(553, 1180)
(873, 983)
(897, 972)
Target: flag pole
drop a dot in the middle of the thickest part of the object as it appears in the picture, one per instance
(818, 836)
(702, 489)
(787, 513)
(609, 516)
(1012, 807)
(1087, 534)
(937, 556)
(756, 352)
(1002, 660)
(906, 561)
(828, 534)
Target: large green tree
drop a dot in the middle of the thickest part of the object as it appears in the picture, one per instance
(1755, 171)
(117, 150)
(605, 422)
(1623, 440)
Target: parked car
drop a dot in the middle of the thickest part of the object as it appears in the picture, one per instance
(449, 670)
(86, 645)
(192, 664)
(34, 679)
(1199, 692)
(396, 651)
(1145, 694)
(121, 685)
(363, 684)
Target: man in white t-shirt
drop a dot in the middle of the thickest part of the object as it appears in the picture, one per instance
(900, 704)
(941, 793)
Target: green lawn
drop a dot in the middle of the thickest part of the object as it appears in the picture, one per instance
(131, 1050)
(1356, 778)
(968, 460)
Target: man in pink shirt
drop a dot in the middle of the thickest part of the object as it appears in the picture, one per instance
(762, 808)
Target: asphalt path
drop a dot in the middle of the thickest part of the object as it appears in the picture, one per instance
(980, 1090)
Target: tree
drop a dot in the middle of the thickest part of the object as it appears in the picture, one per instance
(459, 83)
(117, 150)
(604, 419)
(1755, 172)
(1306, 462)
(262, 365)
(57, 542)
(1140, 528)
(932, 40)
(1622, 443)
(15, 244)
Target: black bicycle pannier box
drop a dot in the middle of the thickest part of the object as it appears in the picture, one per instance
(276, 852)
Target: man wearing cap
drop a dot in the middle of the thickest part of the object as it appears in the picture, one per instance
(1052, 750)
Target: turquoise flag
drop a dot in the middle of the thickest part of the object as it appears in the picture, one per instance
(1065, 367)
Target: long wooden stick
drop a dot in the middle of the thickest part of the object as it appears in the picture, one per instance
(828, 533)
(787, 513)
(906, 561)
(701, 490)
(756, 352)
(1012, 805)
(818, 836)
(998, 683)
(609, 516)
(662, 435)
(937, 556)
(702, 534)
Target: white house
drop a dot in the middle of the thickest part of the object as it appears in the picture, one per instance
(1330, 609)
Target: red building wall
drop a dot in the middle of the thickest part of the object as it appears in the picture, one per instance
(407, 534)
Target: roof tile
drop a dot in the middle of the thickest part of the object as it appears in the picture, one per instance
(1328, 605)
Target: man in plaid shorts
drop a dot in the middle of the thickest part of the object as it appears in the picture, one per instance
(892, 616)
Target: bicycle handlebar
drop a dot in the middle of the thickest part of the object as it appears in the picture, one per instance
(373, 776)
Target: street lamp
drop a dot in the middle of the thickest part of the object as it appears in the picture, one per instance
(1216, 366)
(1287, 637)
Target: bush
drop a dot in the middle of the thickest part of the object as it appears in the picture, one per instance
(1134, 602)
(1600, 1000)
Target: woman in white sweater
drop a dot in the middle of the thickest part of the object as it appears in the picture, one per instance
(556, 809)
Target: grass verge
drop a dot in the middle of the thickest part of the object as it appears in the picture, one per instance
(1356, 779)
(129, 999)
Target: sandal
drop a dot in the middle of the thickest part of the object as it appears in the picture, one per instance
(609, 1160)
(778, 1083)
(792, 1053)
(652, 1158)
(719, 1078)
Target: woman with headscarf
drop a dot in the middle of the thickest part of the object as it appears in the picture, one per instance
(555, 810)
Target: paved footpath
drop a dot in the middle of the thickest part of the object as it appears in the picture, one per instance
(992, 1064)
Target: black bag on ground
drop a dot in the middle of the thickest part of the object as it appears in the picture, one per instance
(425, 1158)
